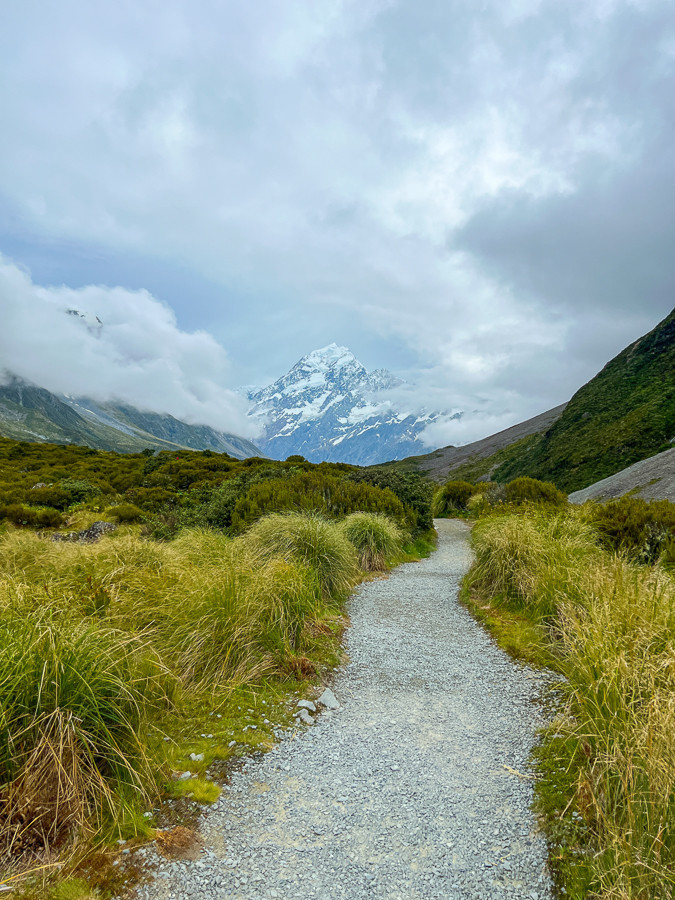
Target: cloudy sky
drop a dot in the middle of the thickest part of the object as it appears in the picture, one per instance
(479, 196)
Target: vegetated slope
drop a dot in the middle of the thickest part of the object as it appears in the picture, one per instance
(651, 479)
(32, 413)
(478, 459)
(625, 414)
(164, 428)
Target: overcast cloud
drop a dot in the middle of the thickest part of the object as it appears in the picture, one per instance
(127, 347)
(478, 196)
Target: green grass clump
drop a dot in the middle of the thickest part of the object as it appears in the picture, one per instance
(75, 698)
(607, 764)
(104, 644)
(376, 538)
(311, 541)
(530, 560)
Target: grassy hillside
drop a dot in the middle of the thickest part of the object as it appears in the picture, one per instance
(624, 414)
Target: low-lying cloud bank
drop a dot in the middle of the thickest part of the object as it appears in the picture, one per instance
(126, 347)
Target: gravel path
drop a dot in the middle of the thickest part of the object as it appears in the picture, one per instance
(409, 790)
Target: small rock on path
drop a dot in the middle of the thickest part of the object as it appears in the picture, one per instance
(403, 791)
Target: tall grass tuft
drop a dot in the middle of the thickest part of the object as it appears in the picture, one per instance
(99, 639)
(74, 699)
(611, 623)
(532, 559)
(376, 538)
(311, 541)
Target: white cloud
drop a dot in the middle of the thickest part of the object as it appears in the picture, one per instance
(137, 355)
(429, 181)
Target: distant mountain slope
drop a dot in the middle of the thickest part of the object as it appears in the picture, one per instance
(480, 458)
(163, 428)
(651, 479)
(329, 407)
(625, 414)
(31, 413)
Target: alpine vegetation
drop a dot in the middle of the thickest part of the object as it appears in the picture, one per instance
(552, 585)
(210, 579)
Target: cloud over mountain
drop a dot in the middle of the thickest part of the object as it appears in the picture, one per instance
(124, 345)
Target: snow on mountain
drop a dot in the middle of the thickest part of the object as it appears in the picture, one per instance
(329, 407)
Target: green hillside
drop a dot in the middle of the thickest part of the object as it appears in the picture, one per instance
(625, 414)
(31, 413)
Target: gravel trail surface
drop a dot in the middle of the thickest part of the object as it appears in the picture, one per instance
(412, 789)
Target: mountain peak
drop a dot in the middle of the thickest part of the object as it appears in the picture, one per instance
(329, 406)
(332, 356)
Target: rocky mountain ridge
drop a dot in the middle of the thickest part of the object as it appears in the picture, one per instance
(328, 406)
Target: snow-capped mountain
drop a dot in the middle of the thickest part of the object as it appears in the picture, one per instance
(329, 407)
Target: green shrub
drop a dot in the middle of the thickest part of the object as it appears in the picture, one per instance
(375, 537)
(28, 516)
(413, 490)
(150, 499)
(453, 497)
(314, 492)
(53, 496)
(78, 489)
(644, 530)
(125, 513)
(312, 541)
(530, 490)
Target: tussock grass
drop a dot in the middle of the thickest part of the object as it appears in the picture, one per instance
(312, 541)
(74, 700)
(376, 538)
(101, 642)
(609, 758)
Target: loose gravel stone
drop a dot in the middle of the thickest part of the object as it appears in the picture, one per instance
(328, 700)
(410, 790)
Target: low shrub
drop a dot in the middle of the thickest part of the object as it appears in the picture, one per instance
(644, 530)
(125, 513)
(31, 517)
(78, 489)
(530, 490)
(413, 490)
(314, 492)
(49, 496)
(453, 497)
(375, 537)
